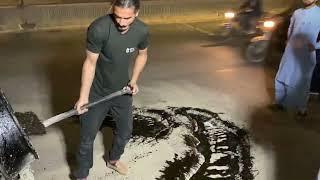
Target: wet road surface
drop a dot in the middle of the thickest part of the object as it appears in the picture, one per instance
(40, 72)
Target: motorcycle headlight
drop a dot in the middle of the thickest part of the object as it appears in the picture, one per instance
(269, 24)
(229, 15)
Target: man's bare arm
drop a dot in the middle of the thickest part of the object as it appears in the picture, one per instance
(138, 67)
(88, 72)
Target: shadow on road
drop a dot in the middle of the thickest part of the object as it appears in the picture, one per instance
(63, 74)
(295, 148)
(234, 41)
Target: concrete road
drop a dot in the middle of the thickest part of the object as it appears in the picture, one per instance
(40, 72)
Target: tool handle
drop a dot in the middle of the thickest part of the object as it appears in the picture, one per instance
(59, 117)
(73, 112)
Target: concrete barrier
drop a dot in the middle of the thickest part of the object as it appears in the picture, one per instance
(56, 16)
(9, 18)
(50, 16)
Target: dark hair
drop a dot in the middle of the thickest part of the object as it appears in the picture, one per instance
(127, 4)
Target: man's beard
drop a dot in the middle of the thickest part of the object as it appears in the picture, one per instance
(122, 28)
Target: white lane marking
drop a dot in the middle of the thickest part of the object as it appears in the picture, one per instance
(198, 29)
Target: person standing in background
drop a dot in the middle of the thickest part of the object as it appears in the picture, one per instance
(293, 79)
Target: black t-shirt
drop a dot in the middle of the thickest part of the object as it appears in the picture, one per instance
(115, 50)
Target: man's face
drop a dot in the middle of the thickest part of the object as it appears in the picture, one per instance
(308, 2)
(124, 17)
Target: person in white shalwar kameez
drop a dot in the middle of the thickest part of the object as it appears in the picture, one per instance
(293, 78)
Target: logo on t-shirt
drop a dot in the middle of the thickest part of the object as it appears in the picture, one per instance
(130, 50)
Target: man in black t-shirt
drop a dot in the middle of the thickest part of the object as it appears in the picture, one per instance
(112, 42)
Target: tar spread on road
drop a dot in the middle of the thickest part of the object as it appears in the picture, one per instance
(219, 149)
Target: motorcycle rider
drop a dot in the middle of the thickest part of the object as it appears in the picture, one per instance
(250, 12)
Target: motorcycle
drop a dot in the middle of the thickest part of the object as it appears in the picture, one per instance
(258, 46)
(235, 26)
(256, 42)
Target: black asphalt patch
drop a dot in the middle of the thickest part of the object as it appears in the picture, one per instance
(220, 150)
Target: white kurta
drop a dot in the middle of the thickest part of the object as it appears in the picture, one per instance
(298, 62)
